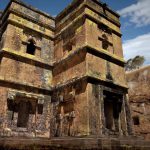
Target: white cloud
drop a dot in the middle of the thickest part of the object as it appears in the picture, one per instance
(138, 46)
(138, 13)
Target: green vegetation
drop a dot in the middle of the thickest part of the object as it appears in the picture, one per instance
(134, 63)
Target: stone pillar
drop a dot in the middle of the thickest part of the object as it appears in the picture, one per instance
(54, 115)
(123, 121)
(128, 115)
(102, 111)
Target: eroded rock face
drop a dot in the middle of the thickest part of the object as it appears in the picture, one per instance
(139, 96)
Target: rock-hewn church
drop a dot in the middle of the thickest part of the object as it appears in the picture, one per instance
(62, 76)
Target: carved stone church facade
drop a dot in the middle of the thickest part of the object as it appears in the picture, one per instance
(62, 76)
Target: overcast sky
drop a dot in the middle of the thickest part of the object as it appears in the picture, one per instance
(135, 20)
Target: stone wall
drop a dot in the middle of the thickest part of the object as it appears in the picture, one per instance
(26, 78)
(68, 103)
(59, 74)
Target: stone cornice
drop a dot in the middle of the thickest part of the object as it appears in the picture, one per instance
(13, 11)
(21, 25)
(106, 55)
(32, 19)
(70, 8)
(107, 7)
(99, 22)
(25, 58)
(13, 94)
(103, 15)
(89, 79)
(26, 86)
(7, 11)
(27, 6)
(87, 48)
(33, 9)
(13, 21)
(83, 16)
(95, 51)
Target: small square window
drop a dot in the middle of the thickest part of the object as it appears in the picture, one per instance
(136, 120)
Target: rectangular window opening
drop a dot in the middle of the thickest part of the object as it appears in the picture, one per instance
(136, 120)
(31, 48)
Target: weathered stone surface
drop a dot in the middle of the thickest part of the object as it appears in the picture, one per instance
(25, 78)
(74, 144)
(63, 76)
(139, 96)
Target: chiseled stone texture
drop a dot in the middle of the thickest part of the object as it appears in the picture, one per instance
(24, 77)
(74, 144)
(62, 76)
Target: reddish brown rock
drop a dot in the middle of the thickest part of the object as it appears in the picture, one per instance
(62, 76)
(139, 96)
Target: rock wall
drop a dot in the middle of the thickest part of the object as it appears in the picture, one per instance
(139, 96)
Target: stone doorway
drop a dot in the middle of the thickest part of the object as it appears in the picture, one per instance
(112, 110)
(23, 114)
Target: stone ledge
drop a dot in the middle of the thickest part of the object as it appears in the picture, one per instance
(25, 58)
(29, 7)
(17, 85)
(95, 51)
(83, 16)
(63, 13)
(71, 143)
(90, 79)
(33, 19)
(15, 22)
(12, 94)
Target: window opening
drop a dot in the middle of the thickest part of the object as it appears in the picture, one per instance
(31, 48)
(105, 43)
(136, 120)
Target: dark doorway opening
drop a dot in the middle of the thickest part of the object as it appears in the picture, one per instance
(23, 114)
(108, 110)
(112, 109)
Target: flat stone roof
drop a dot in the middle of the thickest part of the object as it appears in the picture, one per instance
(62, 13)
(29, 7)
(74, 2)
